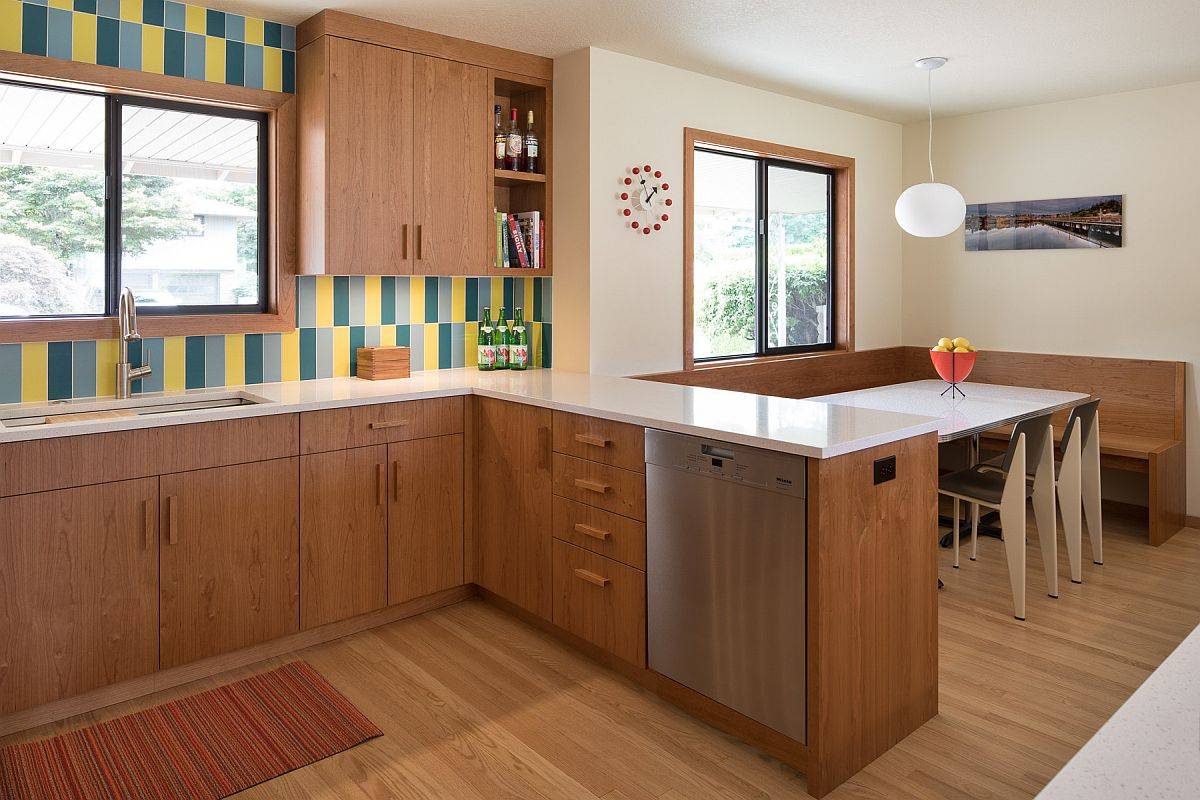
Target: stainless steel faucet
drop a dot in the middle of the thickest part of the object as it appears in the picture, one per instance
(127, 318)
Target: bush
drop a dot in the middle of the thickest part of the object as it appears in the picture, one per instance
(728, 306)
(32, 279)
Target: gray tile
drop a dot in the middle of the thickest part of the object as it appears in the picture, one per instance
(83, 369)
(324, 352)
(152, 354)
(416, 347)
(547, 299)
(306, 301)
(272, 357)
(402, 289)
(214, 360)
(445, 297)
(358, 300)
(10, 373)
(458, 335)
(371, 336)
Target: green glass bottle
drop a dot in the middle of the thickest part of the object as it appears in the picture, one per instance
(486, 352)
(500, 339)
(518, 342)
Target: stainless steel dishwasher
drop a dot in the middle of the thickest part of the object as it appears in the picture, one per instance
(725, 574)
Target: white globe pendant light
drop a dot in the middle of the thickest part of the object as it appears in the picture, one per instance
(930, 209)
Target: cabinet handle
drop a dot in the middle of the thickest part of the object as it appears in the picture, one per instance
(172, 520)
(595, 533)
(591, 485)
(395, 423)
(418, 243)
(380, 489)
(592, 439)
(149, 509)
(591, 577)
(396, 481)
(404, 242)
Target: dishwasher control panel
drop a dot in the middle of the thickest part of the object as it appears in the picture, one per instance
(763, 469)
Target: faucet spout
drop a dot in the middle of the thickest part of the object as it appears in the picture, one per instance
(127, 322)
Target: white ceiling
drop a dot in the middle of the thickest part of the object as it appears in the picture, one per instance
(855, 54)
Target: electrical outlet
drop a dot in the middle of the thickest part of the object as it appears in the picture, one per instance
(885, 469)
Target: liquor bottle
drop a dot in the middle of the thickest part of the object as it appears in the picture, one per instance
(518, 342)
(512, 151)
(500, 140)
(487, 351)
(500, 339)
(531, 146)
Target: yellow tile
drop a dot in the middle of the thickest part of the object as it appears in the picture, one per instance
(341, 352)
(235, 359)
(416, 299)
(83, 38)
(324, 301)
(106, 365)
(535, 342)
(431, 345)
(458, 300)
(66, 4)
(10, 25)
(273, 69)
(194, 20)
(131, 10)
(33, 372)
(371, 302)
(528, 304)
(214, 59)
(471, 345)
(175, 363)
(153, 49)
(387, 336)
(498, 297)
(290, 352)
(254, 31)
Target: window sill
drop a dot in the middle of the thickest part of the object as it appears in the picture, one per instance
(752, 360)
(73, 328)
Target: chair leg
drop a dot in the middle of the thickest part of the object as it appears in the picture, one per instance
(974, 530)
(1047, 525)
(1090, 491)
(956, 503)
(1012, 520)
(1070, 502)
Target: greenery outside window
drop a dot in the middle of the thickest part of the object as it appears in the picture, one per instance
(100, 191)
(763, 255)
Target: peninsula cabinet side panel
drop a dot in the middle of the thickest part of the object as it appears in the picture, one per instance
(872, 583)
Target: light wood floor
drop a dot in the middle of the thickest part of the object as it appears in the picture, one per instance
(476, 705)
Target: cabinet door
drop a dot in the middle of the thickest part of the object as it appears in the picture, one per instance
(228, 561)
(78, 590)
(513, 523)
(343, 534)
(453, 164)
(425, 517)
(369, 152)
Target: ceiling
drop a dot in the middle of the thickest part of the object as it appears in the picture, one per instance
(854, 54)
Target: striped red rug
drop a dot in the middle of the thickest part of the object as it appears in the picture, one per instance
(209, 745)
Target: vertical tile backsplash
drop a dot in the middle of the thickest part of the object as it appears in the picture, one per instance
(437, 317)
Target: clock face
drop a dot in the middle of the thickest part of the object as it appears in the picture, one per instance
(646, 204)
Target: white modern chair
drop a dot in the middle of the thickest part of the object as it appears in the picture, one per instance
(1079, 485)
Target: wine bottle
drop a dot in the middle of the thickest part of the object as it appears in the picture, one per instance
(513, 146)
(500, 339)
(500, 141)
(531, 145)
(486, 357)
(518, 342)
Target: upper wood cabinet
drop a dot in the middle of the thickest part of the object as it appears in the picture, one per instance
(78, 590)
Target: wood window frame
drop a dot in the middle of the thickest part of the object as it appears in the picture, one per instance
(843, 238)
(280, 108)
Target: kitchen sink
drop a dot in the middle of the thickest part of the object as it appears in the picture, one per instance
(66, 411)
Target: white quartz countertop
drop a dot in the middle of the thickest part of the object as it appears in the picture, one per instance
(801, 427)
(1149, 749)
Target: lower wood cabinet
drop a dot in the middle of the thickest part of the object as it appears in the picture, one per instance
(229, 558)
(78, 590)
(600, 600)
(425, 517)
(343, 534)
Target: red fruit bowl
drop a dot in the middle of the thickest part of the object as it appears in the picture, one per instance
(953, 367)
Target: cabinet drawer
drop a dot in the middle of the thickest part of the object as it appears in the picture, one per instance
(611, 488)
(602, 440)
(359, 426)
(600, 531)
(600, 600)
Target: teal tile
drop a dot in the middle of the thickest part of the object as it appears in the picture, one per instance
(402, 336)
(153, 13)
(173, 53)
(193, 361)
(288, 66)
(254, 358)
(273, 34)
(10, 373)
(33, 30)
(235, 63)
(341, 300)
(547, 345)
(86, 6)
(358, 338)
(83, 369)
(214, 360)
(387, 300)
(308, 354)
(431, 299)
(135, 359)
(58, 371)
(358, 300)
(445, 346)
(214, 23)
(472, 300)
(272, 357)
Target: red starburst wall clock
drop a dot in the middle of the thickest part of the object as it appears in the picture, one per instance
(645, 199)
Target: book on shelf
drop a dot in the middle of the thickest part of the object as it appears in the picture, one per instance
(520, 240)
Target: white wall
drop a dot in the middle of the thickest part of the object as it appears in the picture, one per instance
(636, 113)
(1138, 301)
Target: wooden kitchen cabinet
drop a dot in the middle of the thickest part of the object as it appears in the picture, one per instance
(425, 517)
(78, 590)
(513, 523)
(343, 534)
(229, 558)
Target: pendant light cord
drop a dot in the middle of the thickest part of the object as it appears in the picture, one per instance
(929, 87)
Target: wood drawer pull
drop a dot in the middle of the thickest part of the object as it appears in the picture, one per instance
(595, 533)
(592, 486)
(395, 423)
(418, 243)
(592, 439)
(380, 485)
(591, 577)
(172, 520)
(396, 481)
(150, 509)
(404, 242)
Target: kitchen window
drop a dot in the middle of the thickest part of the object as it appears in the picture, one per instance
(768, 248)
(100, 191)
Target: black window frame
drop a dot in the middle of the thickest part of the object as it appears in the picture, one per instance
(114, 103)
(763, 164)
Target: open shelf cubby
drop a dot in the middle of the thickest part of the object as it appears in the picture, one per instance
(516, 192)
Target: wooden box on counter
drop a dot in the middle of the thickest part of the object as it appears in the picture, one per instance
(383, 363)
